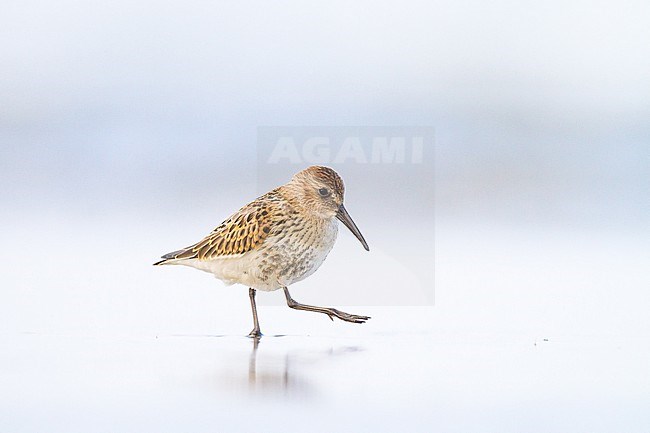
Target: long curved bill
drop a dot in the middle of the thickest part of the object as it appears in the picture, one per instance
(346, 219)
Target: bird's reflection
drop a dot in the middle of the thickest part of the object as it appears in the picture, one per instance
(252, 363)
(282, 366)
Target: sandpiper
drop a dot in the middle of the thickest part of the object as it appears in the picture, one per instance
(276, 240)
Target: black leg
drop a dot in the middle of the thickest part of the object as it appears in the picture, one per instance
(255, 333)
(331, 312)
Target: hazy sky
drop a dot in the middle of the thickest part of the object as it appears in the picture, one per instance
(541, 109)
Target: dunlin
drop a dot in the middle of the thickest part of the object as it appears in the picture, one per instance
(277, 240)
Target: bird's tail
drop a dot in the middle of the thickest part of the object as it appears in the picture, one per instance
(170, 258)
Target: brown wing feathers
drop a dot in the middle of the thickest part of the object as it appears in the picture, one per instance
(242, 232)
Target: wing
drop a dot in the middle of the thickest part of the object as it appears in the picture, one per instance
(246, 230)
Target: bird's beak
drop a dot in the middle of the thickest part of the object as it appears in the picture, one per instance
(346, 219)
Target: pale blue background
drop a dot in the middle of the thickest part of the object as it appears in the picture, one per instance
(541, 108)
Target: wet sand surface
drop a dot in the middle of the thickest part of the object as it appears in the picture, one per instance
(530, 332)
(405, 372)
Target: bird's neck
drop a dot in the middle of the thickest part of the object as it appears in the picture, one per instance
(299, 201)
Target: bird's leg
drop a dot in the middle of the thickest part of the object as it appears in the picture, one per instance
(331, 312)
(255, 333)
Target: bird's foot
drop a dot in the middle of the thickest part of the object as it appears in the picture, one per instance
(255, 333)
(347, 317)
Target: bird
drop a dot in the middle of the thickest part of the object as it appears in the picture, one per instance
(278, 239)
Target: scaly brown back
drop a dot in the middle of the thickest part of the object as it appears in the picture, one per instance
(244, 231)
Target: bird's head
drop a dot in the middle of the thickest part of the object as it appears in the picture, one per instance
(321, 192)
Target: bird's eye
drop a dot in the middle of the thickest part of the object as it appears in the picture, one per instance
(324, 192)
